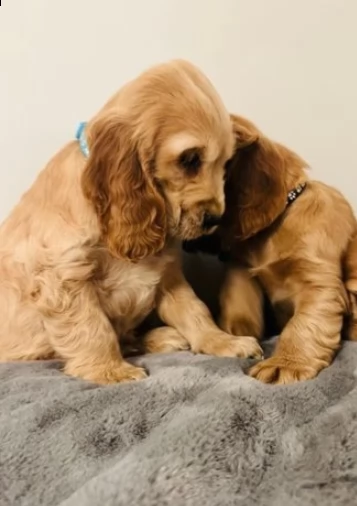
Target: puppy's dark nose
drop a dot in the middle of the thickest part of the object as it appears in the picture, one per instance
(211, 220)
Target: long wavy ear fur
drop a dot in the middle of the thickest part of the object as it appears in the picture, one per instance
(117, 182)
(258, 180)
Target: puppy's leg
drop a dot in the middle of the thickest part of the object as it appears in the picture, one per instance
(81, 334)
(241, 301)
(179, 307)
(311, 338)
(351, 327)
(164, 340)
(351, 285)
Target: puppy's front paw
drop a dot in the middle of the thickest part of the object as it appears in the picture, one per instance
(239, 326)
(282, 371)
(164, 340)
(220, 344)
(105, 374)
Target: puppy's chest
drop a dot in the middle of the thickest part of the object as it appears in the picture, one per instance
(126, 290)
(277, 279)
(274, 270)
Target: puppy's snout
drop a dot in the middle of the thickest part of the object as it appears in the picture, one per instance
(211, 220)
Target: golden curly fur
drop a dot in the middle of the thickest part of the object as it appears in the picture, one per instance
(91, 247)
(303, 257)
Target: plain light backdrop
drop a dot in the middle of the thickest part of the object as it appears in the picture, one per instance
(290, 66)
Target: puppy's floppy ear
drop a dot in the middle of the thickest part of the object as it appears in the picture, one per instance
(245, 133)
(258, 180)
(118, 183)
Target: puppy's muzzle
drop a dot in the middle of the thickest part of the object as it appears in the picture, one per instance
(211, 220)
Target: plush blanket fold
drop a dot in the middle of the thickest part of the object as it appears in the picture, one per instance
(196, 432)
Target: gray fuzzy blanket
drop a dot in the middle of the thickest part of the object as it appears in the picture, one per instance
(196, 432)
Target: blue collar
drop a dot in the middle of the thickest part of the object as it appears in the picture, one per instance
(82, 139)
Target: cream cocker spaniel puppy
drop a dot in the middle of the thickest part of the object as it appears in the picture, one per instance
(91, 248)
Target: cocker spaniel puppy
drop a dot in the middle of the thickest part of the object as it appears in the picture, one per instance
(294, 240)
(91, 248)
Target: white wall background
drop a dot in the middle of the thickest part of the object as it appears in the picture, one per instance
(288, 65)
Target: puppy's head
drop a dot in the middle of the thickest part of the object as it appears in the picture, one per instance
(157, 156)
(259, 177)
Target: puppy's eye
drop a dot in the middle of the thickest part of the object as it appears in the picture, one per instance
(190, 160)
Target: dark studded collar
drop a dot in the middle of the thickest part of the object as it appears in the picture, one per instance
(295, 193)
